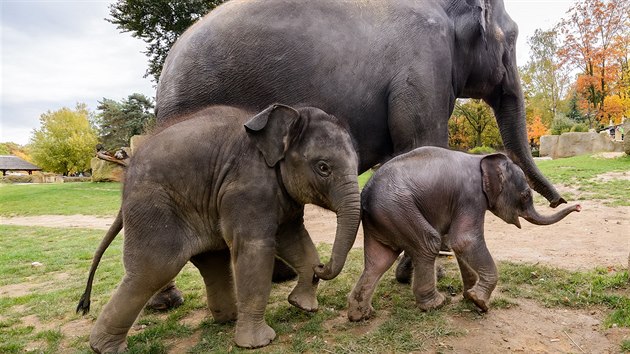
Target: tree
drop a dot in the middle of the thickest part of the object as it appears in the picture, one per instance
(545, 80)
(474, 119)
(158, 23)
(595, 34)
(65, 141)
(118, 121)
(536, 129)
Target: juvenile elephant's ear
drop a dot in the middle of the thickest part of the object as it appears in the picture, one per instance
(270, 131)
(493, 170)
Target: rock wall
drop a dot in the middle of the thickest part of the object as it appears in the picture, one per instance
(105, 171)
(574, 144)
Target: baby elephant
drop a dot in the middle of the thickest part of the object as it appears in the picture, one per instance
(228, 198)
(429, 195)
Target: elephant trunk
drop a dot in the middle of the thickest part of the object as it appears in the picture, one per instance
(532, 215)
(510, 113)
(348, 219)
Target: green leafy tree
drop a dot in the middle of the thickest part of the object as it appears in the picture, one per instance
(545, 80)
(65, 141)
(473, 125)
(117, 122)
(158, 23)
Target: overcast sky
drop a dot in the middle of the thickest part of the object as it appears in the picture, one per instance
(55, 53)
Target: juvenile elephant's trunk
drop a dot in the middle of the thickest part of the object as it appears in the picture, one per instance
(348, 219)
(532, 215)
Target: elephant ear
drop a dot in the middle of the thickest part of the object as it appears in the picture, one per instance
(270, 131)
(493, 174)
(471, 18)
(498, 189)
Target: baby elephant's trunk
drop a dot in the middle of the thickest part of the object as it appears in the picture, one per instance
(532, 215)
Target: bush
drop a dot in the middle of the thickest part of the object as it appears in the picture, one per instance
(17, 179)
(561, 124)
(580, 127)
(481, 150)
(77, 179)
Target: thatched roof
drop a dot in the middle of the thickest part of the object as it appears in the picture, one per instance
(14, 163)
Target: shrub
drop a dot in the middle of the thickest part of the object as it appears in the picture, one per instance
(580, 127)
(17, 179)
(561, 124)
(481, 150)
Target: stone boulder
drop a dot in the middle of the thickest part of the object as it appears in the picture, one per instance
(577, 143)
(105, 171)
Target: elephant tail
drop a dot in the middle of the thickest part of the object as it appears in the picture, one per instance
(84, 303)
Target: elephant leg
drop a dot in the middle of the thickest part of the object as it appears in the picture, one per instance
(253, 258)
(294, 245)
(146, 273)
(475, 255)
(169, 297)
(378, 258)
(469, 276)
(216, 270)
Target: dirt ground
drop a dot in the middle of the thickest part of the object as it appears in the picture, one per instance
(598, 236)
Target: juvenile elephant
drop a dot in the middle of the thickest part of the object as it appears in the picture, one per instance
(228, 199)
(429, 195)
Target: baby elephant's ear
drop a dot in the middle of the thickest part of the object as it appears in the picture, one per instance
(493, 170)
(270, 130)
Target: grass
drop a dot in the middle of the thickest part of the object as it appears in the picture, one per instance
(580, 173)
(102, 199)
(39, 302)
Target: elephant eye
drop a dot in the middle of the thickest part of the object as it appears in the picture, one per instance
(323, 169)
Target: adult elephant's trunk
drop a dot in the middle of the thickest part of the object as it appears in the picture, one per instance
(510, 112)
(532, 215)
(348, 218)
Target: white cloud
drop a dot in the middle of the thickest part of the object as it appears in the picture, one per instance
(53, 60)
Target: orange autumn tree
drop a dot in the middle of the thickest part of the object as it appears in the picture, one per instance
(595, 34)
(536, 129)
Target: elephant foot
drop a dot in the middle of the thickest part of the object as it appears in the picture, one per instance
(358, 311)
(432, 302)
(168, 298)
(102, 342)
(253, 335)
(304, 300)
(224, 316)
(477, 299)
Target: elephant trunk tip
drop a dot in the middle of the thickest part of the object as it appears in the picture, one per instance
(554, 203)
(325, 272)
(577, 208)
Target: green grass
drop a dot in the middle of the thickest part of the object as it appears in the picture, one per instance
(580, 172)
(41, 301)
(102, 199)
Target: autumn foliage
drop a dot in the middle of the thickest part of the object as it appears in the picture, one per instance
(595, 42)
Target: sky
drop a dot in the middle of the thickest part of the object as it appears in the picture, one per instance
(55, 53)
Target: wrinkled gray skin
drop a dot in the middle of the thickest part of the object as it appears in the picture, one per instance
(391, 69)
(432, 195)
(228, 199)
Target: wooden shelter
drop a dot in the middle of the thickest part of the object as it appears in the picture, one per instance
(14, 163)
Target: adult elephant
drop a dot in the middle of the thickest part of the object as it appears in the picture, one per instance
(391, 69)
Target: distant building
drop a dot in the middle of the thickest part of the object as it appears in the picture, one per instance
(14, 163)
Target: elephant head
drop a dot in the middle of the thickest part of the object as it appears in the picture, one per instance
(318, 165)
(486, 61)
(509, 195)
